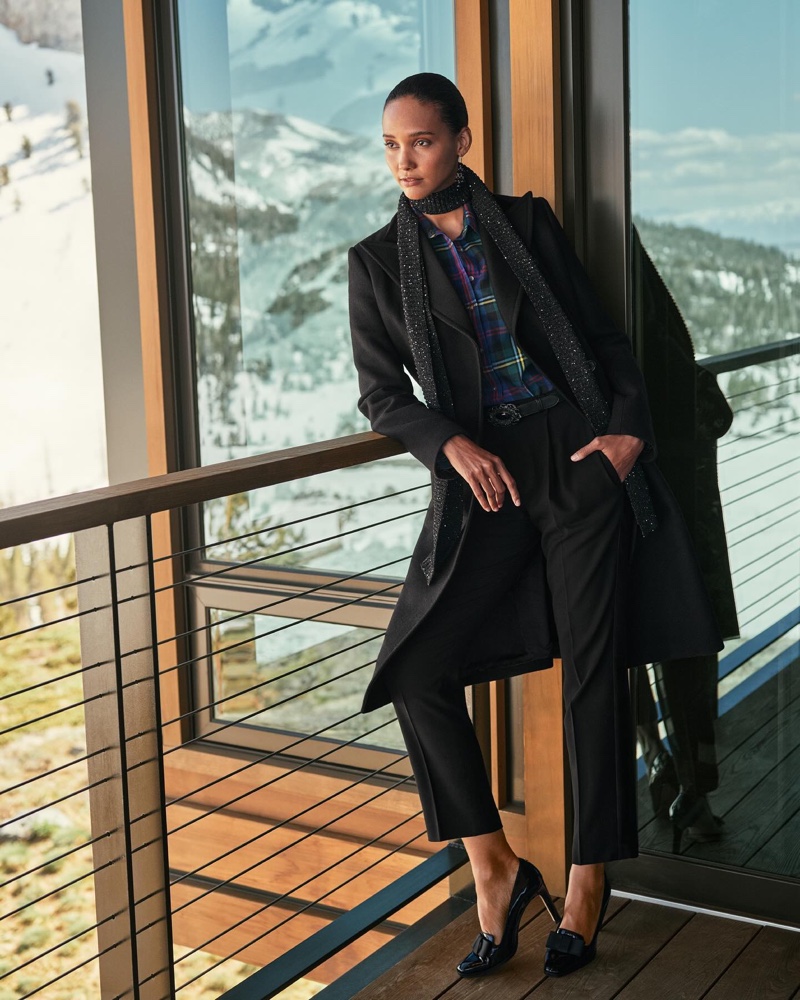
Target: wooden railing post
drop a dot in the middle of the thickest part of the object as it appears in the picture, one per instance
(125, 767)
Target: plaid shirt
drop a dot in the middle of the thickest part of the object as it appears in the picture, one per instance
(508, 373)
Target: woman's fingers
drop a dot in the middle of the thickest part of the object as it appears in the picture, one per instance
(489, 483)
(485, 472)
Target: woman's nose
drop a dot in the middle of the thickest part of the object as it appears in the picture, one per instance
(405, 161)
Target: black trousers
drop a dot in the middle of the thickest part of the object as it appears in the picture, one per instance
(577, 514)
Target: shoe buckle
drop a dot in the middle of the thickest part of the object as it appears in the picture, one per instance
(483, 945)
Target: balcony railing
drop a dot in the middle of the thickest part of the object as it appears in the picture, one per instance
(201, 804)
(174, 800)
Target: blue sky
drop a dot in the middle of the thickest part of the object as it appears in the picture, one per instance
(729, 64)
(715, 116)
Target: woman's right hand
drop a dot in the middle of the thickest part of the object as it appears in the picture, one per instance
(486, 473)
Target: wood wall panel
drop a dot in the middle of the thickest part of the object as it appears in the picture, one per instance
(473, 78)
(536, 136)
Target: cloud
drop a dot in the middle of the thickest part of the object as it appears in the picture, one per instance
(741, 185)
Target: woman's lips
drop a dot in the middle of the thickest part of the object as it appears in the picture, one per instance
(410, 181)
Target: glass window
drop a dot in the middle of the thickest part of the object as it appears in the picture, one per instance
(301, 677)
(715, 198)
(284, 172)
(49, 316)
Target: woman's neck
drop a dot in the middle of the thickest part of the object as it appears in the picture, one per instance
(450, 223)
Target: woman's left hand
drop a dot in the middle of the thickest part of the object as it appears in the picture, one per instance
(621, 450)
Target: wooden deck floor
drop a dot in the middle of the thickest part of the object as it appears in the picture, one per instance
(758, 749)
(645, 952)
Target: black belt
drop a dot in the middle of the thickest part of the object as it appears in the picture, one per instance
(511, 413)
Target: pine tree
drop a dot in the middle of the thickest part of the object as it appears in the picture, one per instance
(76, 132)
(74, 113)
(27, 147)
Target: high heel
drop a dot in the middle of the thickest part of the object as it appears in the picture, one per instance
(662, 780)
(486, 955)
(566, 951)
(690, 810)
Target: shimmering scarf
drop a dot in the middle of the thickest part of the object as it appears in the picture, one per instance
(448, 494)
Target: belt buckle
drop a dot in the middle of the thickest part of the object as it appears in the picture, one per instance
(504, 415)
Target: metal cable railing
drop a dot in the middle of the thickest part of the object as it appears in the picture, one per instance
(205, 730)
(128, 655)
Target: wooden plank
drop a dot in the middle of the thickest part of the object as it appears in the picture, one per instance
(741, 773)
(692, 961)
(473, 76)
(188, 770)
(249, 933)
(535, 98)
(76, 511)
(767, 969)
(284, 861)
(429, 971)
(547, 796)
(781, 853)
(536, 162)
(623, 949)
(734, 731)
(756, 817)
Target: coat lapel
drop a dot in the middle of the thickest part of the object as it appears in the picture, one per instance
(444, 301)
(507, 290)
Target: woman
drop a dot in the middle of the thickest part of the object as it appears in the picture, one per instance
(543, 528)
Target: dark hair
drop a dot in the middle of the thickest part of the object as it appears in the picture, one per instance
(433, 88)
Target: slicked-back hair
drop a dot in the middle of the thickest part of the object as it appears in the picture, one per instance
(433, 88)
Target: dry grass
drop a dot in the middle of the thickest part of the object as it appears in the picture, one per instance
(49, 937)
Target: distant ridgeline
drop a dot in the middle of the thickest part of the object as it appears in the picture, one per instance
(733, 293)
(52, 25)
(270, 228)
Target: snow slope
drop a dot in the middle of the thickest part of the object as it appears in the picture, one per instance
(52, 425)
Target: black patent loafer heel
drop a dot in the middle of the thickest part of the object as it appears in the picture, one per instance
(486, 955)
(692, 812)
(566, 951)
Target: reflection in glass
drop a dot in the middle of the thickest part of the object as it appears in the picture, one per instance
(360, 520)
(715, 198)
(284, 172)
(297, 677)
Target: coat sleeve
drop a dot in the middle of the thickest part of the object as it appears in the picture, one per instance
(630, 410)
(386, 394)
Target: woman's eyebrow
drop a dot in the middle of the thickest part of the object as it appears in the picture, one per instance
(388, 135)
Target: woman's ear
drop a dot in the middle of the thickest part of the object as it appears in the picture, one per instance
(464, 141)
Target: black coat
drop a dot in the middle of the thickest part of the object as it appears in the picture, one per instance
(669, 610)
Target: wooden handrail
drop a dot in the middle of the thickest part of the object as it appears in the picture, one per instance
(75, 511)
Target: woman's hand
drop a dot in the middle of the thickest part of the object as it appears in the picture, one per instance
(486, 473)
(621, 450)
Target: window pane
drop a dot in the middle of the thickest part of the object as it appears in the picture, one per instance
(360, 520)
(282, 105)
(715, 196)
(50, 359)
(297, 677)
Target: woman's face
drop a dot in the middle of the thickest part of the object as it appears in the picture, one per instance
(421, 151)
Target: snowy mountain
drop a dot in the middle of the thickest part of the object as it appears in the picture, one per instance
(288, 205)
(51, 404)
(733, 293)
(53, 24)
